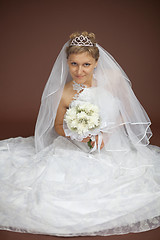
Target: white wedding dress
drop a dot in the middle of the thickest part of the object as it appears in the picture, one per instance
(65, 190)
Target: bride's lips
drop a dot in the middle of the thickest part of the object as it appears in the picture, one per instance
(79, 76)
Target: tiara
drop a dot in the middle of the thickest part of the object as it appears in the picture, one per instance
(81, 41)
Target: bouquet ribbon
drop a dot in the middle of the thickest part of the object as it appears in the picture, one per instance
(99, 143)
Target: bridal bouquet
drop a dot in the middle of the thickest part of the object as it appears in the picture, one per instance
(83, 119)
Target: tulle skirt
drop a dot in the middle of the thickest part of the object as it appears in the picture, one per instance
(66, 191)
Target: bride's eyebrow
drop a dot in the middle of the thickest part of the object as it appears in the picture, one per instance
(72, 60)
(83, 62)
(75, 61)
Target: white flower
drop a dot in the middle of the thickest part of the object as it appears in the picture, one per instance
(82, 118)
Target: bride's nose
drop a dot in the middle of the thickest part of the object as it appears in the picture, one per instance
(79, 70)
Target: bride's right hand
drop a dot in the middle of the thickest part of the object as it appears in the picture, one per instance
(86, 139)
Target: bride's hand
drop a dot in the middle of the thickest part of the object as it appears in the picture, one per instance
(93, 142)
(86, 139)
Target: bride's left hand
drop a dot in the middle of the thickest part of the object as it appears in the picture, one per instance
(93, 142)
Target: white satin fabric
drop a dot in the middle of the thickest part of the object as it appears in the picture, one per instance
(64, 190)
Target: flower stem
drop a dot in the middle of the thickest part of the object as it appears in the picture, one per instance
(89, 144)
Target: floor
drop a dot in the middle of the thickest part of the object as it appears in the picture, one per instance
(149, 235)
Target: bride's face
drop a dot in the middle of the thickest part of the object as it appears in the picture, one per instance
(81, 67)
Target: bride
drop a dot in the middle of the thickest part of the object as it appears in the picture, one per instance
(89, 169)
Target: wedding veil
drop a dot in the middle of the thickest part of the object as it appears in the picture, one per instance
(109, 75)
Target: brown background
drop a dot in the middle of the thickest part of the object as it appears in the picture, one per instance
(34, 31)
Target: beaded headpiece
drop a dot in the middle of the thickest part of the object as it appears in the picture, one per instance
(81, 41)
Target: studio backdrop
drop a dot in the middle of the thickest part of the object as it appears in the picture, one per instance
(34, 31)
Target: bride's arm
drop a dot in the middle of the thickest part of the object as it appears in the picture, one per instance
(58, 124)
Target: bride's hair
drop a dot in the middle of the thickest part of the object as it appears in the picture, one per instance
(93, 50)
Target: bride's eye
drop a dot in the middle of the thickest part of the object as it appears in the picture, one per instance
(73, 63)
(87, 64)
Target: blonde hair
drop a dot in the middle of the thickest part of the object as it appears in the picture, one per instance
(93, 50)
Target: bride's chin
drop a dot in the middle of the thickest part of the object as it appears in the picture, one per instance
(83, 80)
(80, 80)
